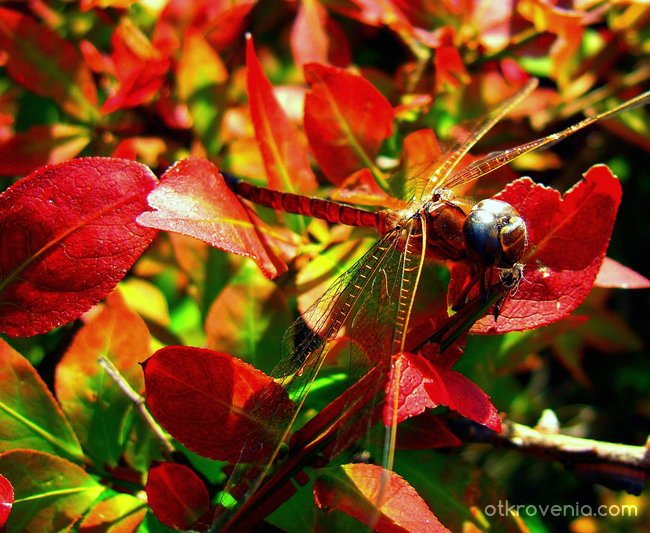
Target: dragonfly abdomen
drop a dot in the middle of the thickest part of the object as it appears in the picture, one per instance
(330, 211)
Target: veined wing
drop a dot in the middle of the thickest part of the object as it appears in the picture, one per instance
(496, 160)
(438, 176)
(370, 304)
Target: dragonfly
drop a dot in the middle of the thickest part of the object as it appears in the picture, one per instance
(373, 301)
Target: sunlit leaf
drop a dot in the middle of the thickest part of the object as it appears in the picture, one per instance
(96, 406)
(567, 24)
(378, 498)
(309, 37)
(192, 198)
(140, 68)
(51, 493)
(146, 299)
(614, 275)
(450, 70)
(121, 513)
(200, 76)
(29, 414)
(416, 383)
(90, 4)
(68, 235)
(150, 151)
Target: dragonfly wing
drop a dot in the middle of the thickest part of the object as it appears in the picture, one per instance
(496, 160)
(438, 178)
(368, 304)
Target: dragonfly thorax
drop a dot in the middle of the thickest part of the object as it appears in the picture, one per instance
(495, 234)
(444, 228)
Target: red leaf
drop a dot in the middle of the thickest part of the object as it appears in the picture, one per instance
(450, 69)
(422, 384)
(41, 145)
(346, 120)
(139, 66)
(68, 235)
(151, 151)
(192, 198)
(222, 23)
(614, 275)
(568, 238)
(283, 149)
(176, 495)
(356, 489)
(46, 64)
(425, 432)
(309, 37)
(213, 403)
(420, 148)
(6, 499)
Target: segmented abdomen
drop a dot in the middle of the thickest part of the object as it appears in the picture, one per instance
(302, 205)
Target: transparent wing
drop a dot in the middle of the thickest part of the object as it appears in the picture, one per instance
(439, 175)
(369, 304)
(496, 160)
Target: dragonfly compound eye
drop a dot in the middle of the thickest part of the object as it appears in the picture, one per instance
(495, 234)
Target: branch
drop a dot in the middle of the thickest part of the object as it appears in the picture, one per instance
(616, 466)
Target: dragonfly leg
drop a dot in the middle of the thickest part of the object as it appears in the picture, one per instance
(462, 299)
(485, 279)
(509, 280)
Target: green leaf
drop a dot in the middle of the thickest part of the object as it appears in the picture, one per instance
(30, 417)
(51, 492)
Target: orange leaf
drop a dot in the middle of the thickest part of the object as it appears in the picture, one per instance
(283, 149)
(47, 64)
(376, 497)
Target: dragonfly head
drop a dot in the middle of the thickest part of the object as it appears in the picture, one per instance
(495, 234)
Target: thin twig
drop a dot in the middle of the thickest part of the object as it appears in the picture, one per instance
(137, 400)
